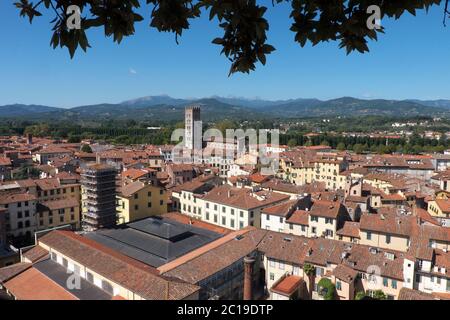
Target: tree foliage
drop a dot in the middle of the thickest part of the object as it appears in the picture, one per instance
(86, 148)
(327, 288)
(244, 23)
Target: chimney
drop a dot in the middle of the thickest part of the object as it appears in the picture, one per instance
(248, 277)
(29, 138)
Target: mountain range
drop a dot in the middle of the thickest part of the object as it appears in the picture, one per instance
(166, 108)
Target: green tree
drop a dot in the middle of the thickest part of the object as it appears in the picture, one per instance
(360, 295)
(340, 146)
(292, 143)
(379, 295)
(86, 148)
(244, 24)
(358, 148)
(327, 289)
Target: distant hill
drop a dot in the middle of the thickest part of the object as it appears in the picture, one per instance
(15, 110)
(433, 103)
(348, 106)
(165, 108)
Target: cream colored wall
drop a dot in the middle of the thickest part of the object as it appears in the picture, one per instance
(296, 229)
(377, 284)
(191, 205)
(379, 240)
(321, 227)
(118, 289)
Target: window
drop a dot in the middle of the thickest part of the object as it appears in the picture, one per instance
(207, 215)
(161, 202)
(107, 287)
(54, 256)
(136, 195)
(224, 221)
(281, 219)
(319, 271)
(241, 225)
(417, 278)
(232, 223)
(313, 230)
(77, 269)
(296, 270)
(388, 239)
(241, 214)
(27, 223)
(291, 226)
(207, 205)
(281, 265)
(136, 207)
(368, 236)
(272, 276)
(61, 219)
(161, 191)
(19, 204)
(385, 282)
(303, 228)
(267, 217)
(215, 207)
(272, 263)
(50, 220)
(89, 277)
(215, 218)
(232, 212)
(338, 285)
(26, 203)
(394, 284)
(223, 209)
(315, 219)
(19, 214)
(149, 194)
(251, 214)
(20, 225)
(65, 262)
(72, 209)
(72, 217)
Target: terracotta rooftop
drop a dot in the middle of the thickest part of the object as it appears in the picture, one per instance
(243, 198)
(61, 204)
(287, 285)
(300, 217)
(345, 273)
(127, 272)
(33, 285)
(350, 229)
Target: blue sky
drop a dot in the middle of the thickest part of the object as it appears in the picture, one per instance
(410, 61)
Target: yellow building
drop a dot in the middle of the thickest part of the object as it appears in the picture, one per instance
(140, 200)
(56, 213)
(440, 209)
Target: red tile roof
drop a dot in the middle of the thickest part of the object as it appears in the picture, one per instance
(33, 285)
(129, 273)
(287, 286)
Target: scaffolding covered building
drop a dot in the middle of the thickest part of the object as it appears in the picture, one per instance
(98, 187)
